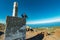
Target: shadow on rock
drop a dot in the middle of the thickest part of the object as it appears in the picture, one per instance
(1, 33)
(37, 37)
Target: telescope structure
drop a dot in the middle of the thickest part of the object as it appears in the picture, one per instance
(15, 26)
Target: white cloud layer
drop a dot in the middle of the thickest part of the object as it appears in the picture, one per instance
(51, 20)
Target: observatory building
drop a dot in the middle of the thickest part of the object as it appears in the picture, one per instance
(15, 26)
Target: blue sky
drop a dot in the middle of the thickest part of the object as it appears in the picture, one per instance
(36, 10)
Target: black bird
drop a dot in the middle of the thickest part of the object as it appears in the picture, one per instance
(1, 33)
(24, 16)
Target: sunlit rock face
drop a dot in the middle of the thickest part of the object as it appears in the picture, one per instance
(15, 28)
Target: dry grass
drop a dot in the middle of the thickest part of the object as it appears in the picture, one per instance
(2, 37)
(2, 28)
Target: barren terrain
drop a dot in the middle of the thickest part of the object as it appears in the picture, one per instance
(39, 33)
(44, 34)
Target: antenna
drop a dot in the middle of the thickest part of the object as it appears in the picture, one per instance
(15, 9)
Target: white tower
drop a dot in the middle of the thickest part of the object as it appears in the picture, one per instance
(15, 9)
